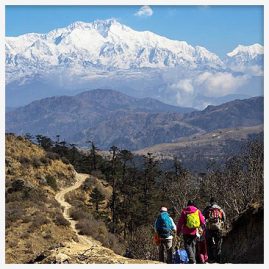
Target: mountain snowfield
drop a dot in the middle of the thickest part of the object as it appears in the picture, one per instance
(108, 54)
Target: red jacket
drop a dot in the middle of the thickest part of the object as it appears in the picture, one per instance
(181, 225)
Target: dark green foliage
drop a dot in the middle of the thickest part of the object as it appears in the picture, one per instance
(44, 142)
(97, 198)
(52, 182)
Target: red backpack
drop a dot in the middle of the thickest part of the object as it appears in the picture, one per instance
(214, 219)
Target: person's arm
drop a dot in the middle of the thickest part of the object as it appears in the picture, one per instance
(174, 227)
(205, 212)
(180, 223)
(223, 216)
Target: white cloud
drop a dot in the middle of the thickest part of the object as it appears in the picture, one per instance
(184, 91)
(196, 89)
(184, 85)
(144, 11)
(220, 83)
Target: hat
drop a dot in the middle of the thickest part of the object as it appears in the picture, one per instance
(212, 200)
(163, 209)
(190, 203)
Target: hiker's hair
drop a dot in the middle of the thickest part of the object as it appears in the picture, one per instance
(212, 200)
(191, 202)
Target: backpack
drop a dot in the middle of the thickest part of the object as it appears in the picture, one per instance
(163, 225)
(193, 220)
(180, 256)
(214, 219)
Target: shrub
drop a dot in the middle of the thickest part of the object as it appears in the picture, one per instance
(52, 182)
(26, 219)
(45, 161)
(38, 221)
(14, 212)
(88, 225)
(13, 196)
(35, 195)
(88, 184)
(147, 250)
(65, 160)
(24, 160)
(36, 162)
(18, 184)
(52, 155)
(60, 220)
(78, 214)
(25, 235)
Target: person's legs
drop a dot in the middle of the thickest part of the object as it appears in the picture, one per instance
(210, 245)
(190, 245)
(161, 251)
(218, 247)
(169, 250)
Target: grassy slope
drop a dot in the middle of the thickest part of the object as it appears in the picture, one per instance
(34, 220)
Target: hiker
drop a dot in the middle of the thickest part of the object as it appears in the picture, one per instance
(201, 246)
(215, 219)
(164, 227)
(191, 218)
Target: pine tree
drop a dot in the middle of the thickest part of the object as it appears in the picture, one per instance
(97, 198)
(114, 150)
(93, 154)
(151, 176)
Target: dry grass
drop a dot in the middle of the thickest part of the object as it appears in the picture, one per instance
(28, 161)
(34, 221)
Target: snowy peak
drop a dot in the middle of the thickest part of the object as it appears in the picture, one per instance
(109, 45)
(244, 57)
(204, 55)
(106, 44)
(103, 27)
(251, 51)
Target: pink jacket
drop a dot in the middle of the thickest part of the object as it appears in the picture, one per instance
(181, 225)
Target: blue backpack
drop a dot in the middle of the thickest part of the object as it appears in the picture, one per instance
(163, 225)
(180, 256)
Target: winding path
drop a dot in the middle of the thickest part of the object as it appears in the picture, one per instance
(87, 250)
(60, 197)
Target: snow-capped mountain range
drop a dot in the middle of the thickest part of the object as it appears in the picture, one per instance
(107, 53)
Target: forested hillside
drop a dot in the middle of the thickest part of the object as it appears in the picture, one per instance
(119, 202)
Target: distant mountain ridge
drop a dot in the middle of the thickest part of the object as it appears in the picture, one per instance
(247, 112)
(111, 118)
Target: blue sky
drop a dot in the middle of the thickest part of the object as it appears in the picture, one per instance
(218, 28)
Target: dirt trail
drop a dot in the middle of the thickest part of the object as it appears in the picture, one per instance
(87, 250)
(60, 197)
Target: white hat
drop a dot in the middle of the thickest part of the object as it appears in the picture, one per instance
(163, 209)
